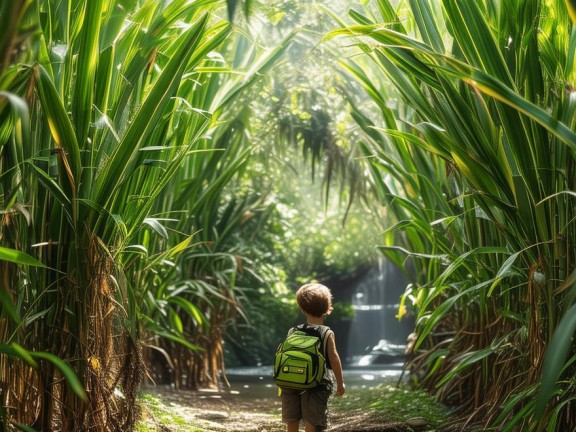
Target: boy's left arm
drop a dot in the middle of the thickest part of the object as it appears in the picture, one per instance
(336, 365)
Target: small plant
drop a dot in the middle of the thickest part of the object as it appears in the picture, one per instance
(157, 415)
(388, 403)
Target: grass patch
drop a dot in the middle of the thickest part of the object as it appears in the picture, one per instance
(158, 416)
(393, 404)
(361, 408)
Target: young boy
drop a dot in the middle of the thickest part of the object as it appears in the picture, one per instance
(315, 301)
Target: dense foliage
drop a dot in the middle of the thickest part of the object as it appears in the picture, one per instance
(149, 204)
(476, 127)
(130, 235)
(112, 162)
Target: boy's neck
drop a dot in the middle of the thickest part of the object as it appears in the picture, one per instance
(314, 320)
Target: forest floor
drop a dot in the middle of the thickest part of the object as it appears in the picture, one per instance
(377, 409)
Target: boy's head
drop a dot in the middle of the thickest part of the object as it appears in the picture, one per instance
(314, 299)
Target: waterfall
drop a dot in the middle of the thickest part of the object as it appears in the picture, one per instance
(375, 300)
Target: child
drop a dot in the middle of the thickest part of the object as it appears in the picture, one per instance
(315, 301)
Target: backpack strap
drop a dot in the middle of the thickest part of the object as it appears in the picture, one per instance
(323, 331)
(327, 332)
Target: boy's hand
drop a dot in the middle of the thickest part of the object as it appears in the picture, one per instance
(340, 390)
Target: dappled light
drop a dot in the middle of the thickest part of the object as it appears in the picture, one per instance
(172, 171)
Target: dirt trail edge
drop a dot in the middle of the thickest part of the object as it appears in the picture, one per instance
(216, 411)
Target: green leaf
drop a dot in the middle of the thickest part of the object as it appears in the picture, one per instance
(19, 257)
(179, 248)
(496, 89)
(30, 319)
(571, 6)
(156, 226)
(426, 24)
(21, 124)
(555, 358)
(175, 338)
(66, 370)
(15, 350)
(189, 308)
(87, 62)
(463, 361)
(461, 260)
(122, 162)
(61, 129)
(504, 271)
(22, 353)
(441, 311)
(472, 31)
(52, 186)
(24, 428)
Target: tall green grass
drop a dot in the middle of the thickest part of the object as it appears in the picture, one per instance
(110, 133)
(473, 153)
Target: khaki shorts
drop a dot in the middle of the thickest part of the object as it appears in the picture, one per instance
(311, 405)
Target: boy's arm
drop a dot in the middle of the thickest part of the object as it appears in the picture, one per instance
(336, 364)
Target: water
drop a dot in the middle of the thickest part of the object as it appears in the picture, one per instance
(371, 346)
(256, 382)
(375, 300)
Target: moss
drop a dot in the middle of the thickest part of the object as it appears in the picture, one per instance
(361, 407)
(157, 416)
(389, 403)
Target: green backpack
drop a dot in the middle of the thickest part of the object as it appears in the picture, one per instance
(300, 361)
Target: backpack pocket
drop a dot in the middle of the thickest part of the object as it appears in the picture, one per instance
(297, 370)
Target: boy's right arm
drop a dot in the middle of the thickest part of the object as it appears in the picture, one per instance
(336, 365)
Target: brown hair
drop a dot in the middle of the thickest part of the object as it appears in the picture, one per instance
(314, 299)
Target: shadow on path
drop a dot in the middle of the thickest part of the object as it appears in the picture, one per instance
(251, 404)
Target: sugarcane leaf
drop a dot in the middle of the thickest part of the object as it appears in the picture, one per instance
(52, 186)
(66, 370)
(414, 254)
(60, 127)
(461, 260)
(136, 248)
(19, 257)
(175, 338)
(505, 270)
(21, 122)
(432, 319)
(464, 361)
(571, 6)
(186, 305)
(228, 93)
(232, 5)
(179, 248)
(176, 322)
(156, 226)
(30, 319)
(511, 424)
(24, 428)
(87, 62)
(120, 224)
(122, 162)
(426, 24)
(496, 89)
(554, 359)
(471, 29)
(20, 352)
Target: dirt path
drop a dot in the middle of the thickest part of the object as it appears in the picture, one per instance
(209, 411)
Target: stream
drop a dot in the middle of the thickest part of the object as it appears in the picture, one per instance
(256, 382)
